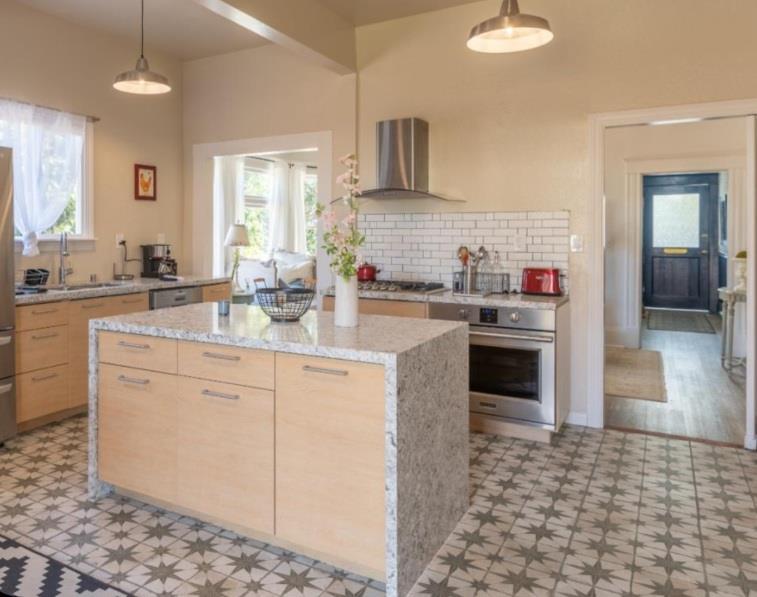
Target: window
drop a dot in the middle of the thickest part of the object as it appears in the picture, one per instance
(258, 189)
(51, 155)
(258, 184)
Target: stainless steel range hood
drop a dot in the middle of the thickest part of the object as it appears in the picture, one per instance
(402, 161)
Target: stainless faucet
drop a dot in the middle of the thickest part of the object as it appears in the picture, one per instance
(64, 271)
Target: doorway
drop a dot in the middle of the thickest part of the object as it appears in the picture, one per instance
(680, 268)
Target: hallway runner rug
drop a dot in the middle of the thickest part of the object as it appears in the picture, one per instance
(632, 373)
(27, 573)
(679, 321)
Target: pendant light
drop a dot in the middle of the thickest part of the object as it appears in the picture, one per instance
(142, 80)
(511, 31)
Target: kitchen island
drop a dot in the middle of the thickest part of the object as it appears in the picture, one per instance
(347, 445)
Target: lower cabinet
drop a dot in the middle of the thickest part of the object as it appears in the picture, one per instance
(40, 393)
(225, 452)
(137, 429)
(216, 292)
(384, 307)
(330, 457)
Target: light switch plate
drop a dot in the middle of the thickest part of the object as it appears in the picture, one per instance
(576, 243)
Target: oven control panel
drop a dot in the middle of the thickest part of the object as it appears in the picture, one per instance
(488, 316)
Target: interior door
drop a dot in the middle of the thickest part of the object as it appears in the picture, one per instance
(680, 236)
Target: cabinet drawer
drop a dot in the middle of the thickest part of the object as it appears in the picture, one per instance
(225, 452)
(140, 352)
(79, 314)
(41, 349)
(330, 457)
(227, 364)
(129, 303)
(216, 292)
(34, 317)
(137, 430)
(41, 393)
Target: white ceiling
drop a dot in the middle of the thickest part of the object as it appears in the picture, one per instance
(365, 12)
(180, 28)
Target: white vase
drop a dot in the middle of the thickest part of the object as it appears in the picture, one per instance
(346, 305)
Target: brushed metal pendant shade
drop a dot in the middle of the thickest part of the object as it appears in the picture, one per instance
(141, 80)
(510, 31)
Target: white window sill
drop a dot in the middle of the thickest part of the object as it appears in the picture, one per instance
(76, 244)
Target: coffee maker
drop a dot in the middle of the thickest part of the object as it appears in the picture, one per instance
(157, 261)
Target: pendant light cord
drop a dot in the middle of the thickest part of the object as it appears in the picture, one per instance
(142, 42)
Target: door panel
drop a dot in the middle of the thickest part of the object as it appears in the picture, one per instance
(680, 232)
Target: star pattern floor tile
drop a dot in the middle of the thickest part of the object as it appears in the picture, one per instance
(597, 513)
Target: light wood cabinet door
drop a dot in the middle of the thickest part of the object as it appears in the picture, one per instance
(140, 352)
(41, 393)
(384, 307)
(225, 453)
(330, 457)
(79, 314)
(216, 292)
(227, 364)
(41, 349)
(45, 315)
(137, 430)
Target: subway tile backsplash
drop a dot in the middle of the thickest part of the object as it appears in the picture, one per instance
(423, 246)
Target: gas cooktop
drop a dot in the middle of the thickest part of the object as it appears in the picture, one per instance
(402, 286)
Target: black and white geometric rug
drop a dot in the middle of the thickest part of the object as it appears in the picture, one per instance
(26, 573)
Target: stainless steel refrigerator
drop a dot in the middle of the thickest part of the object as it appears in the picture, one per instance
(7, 300)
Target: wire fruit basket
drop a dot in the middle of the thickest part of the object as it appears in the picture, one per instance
(285, 304)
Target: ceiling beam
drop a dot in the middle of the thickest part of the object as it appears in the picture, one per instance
(304, 26)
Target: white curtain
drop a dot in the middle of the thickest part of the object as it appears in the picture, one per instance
(287, 209)
(48, 148)
(228, 205)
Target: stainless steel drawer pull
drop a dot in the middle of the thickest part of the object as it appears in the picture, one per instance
(46, 312)
(125, 344)
(95, 306)
(44, 336)
(487, 404)
(45, 377)
(5, 340)
(340, 372)
(221, 357)
(213, 394)
(131, 302)
(133, 380)
(6, 388)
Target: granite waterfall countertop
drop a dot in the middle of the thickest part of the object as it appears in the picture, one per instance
(523, 301)
(378, 339)
(116, 289)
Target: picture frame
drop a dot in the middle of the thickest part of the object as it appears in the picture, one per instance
(145, 182)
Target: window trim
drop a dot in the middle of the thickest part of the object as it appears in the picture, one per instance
(87, 206)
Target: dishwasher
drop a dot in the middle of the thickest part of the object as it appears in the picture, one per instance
(175, 297)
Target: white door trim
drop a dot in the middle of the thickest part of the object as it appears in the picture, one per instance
(598, 123)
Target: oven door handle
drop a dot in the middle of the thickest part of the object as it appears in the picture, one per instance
(542, 339)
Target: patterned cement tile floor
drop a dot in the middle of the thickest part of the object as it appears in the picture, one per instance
(597, 514)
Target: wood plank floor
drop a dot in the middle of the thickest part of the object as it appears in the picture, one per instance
(703, 401)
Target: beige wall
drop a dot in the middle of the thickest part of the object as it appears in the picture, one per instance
(630, 152)
(510, 132)
(256, 93)
(54, 63)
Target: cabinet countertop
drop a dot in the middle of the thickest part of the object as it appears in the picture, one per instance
(522, 301)
(118, 288)
(378, 339)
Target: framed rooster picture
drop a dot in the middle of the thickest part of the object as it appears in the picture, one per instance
(145, 182)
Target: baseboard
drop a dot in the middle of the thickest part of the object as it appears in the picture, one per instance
(579, 419)
(750, 442)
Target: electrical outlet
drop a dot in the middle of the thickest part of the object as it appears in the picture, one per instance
(576, 243)
(120, 237)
